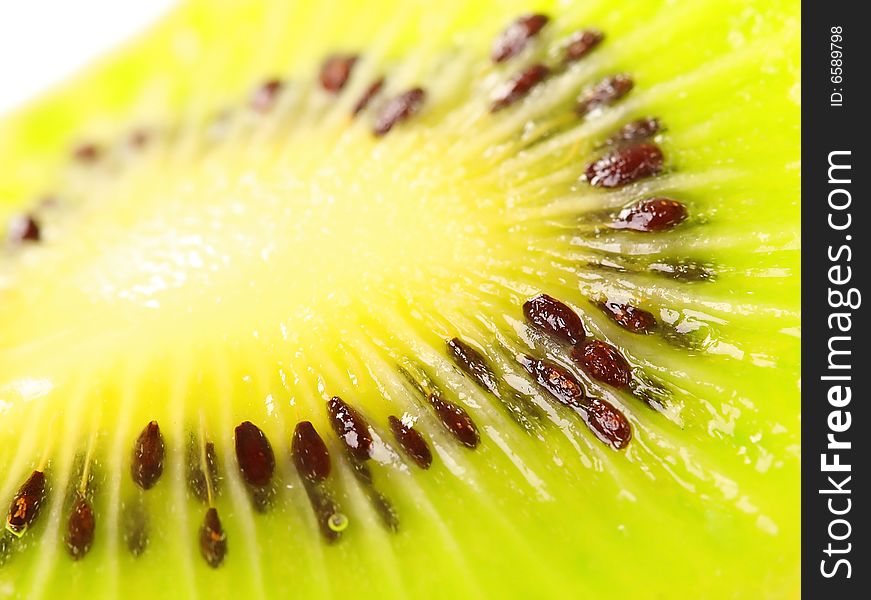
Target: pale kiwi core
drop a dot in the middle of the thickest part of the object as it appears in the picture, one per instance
(289, 240)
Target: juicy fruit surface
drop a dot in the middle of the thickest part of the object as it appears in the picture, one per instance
(252, 267)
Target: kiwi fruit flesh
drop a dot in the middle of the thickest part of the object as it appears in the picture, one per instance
(489, 299)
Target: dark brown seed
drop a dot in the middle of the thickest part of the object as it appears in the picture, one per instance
(336, 70)
(636, 131)
(309, 453)
(80, 528)
(604, 93)
(398, 109)
(213, 540)
(553, 317)
(558, 381)
(456, 420)
(411, 442)
(629, 317)
(607, 422)
(254, 454)
(87, 153)
(139, 138)
(651, 214)
(367, 96)
(625, 165)
(136, 528)
(265, 96)
(351, 428)
(604, 362)
(515, 37)
(473, 364)
(518, 86)
(148, 452)
(24, 228)
(582, 43)
(26, 503)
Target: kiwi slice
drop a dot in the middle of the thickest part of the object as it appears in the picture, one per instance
(483, 299)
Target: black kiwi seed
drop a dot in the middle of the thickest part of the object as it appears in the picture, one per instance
(26, 503)
(367, 96)
(629, 317)
(582, 43)
(148, 453)
(651, 214)
(87, 153)
(625, 165)
(608, 423)
(603, 362)
(515, 37)
(213, 540)
(473, 364)
(24, 228)
(80, 527)
(309, 453)
(398, 109)
(265, 96)
(336, 70)
(553, 317)
(411, 441)
(604, 93)
(456, 420)
(518, 86)
(254, 454)
(139, 138)
(558, 381)
(312, 461)
(636, 131)
(350, 427)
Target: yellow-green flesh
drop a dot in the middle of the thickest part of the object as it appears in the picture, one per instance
(202, 283)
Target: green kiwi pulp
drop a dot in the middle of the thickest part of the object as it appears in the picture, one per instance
(480, 300)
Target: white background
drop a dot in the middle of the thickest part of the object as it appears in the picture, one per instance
(44, 41)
